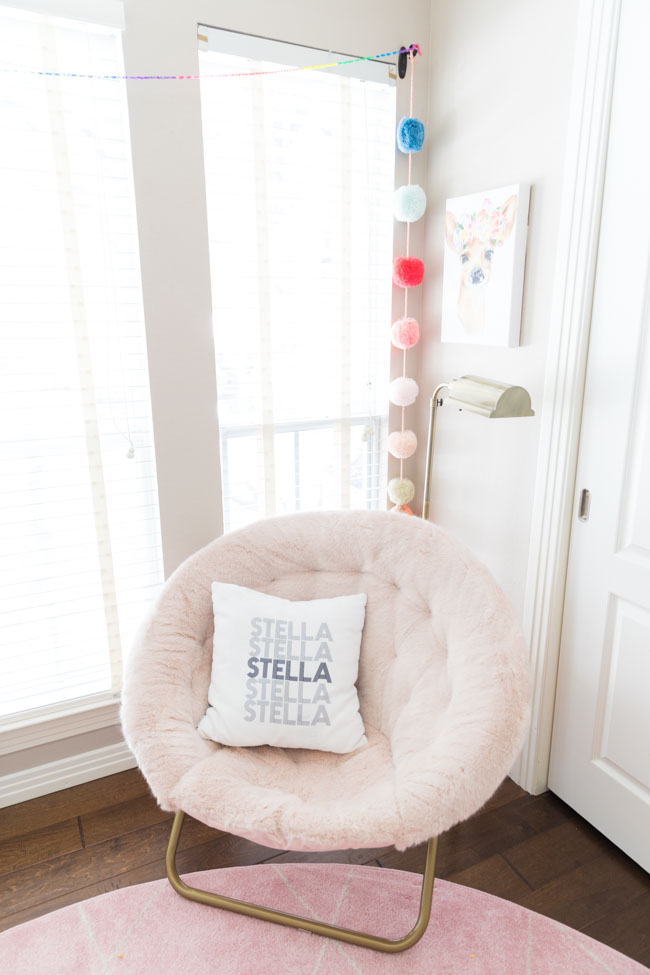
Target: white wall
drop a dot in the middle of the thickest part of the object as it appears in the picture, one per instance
(500, 80)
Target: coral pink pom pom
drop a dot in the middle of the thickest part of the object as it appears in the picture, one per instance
(402, 443)
(405, 333)
(408, 272)
(404, 508)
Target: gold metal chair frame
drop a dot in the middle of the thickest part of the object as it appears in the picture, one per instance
(304, 923)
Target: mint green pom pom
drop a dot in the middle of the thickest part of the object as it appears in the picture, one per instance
(409, 203)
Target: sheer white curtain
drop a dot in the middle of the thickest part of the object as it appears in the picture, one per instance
(299, 171)
(79, 529)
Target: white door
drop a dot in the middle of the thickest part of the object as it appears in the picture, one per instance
(600, 758)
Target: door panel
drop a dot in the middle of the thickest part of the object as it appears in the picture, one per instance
(600, 757)
(624, 707)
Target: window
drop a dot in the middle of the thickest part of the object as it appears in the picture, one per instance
(79, 529)
(299, 177)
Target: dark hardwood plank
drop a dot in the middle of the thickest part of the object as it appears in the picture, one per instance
(507, 791)
(495, 830)
(557, 851)
(71, 871)
(494, 876)
(38, 813)
(627, 927)
(139, 875)
(42, 844)
(538, 812)
(488, 832)
(104, 824)
(589, 892)
(338, 856)
(223, 850)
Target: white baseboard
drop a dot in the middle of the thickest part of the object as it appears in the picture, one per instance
(44, 779)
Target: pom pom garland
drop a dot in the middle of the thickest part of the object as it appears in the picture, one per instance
(402, 443)
(409, 203)
(403, 391)
(405, 333)
(408, 272)
(401, 490)
(410, 134)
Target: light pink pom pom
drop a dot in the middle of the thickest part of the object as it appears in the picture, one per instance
(402, 443)
(405, 333)
(403, 391)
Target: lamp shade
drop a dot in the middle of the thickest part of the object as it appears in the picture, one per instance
(488, 398)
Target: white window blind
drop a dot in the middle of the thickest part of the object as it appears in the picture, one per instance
(79, 529)
(299, 172)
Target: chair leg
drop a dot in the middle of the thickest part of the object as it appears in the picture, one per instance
(294, 920)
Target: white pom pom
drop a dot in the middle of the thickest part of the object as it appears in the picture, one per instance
(402, 443)
(401, 490)
(409, 203)
(403, 391)
(130, 452)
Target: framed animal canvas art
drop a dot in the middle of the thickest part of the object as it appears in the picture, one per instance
(485, 253)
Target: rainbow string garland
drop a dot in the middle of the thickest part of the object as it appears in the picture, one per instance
(201, 77)
(409, 204)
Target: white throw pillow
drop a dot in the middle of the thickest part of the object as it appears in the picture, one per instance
(284, 671)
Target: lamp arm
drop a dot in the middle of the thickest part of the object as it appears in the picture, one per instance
(436, 401)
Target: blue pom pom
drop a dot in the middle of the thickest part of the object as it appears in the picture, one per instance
(410, 134)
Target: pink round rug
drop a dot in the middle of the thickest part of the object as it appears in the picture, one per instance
(149, 928)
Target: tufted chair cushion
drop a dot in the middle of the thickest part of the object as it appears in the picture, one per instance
(443, 686)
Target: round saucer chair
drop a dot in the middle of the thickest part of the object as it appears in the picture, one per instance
(443, 689)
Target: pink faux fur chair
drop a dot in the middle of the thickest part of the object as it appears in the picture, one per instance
(443, 689)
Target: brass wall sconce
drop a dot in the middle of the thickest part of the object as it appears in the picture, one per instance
(487, 397)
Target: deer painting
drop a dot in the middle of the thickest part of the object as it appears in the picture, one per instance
(475, 238)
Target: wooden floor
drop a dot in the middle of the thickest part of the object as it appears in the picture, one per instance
(533, 850)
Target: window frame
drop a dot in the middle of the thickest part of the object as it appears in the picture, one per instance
(89, 712)
(255, 49)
